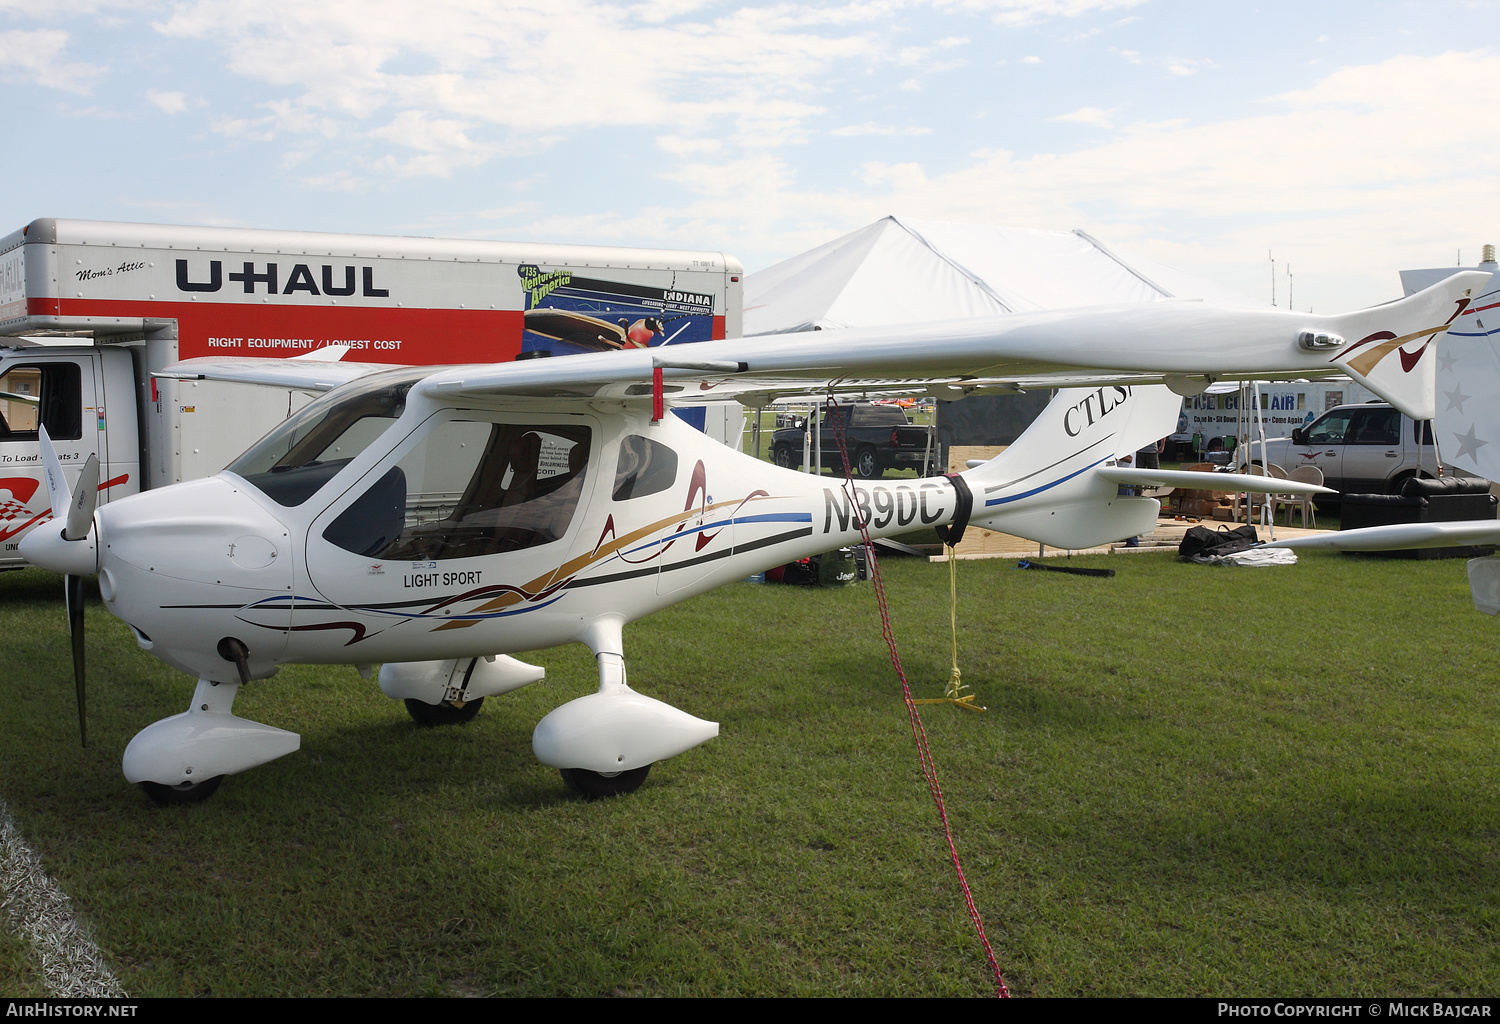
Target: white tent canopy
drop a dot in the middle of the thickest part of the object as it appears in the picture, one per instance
(905, 271)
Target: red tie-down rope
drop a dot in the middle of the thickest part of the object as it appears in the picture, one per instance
(918, 733)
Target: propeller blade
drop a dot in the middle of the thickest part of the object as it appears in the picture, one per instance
(57, 484)
(73, 591)
(85, 498)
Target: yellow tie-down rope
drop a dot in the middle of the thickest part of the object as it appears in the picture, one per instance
(953, 692)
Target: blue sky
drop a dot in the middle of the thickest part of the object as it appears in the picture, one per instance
(1350, 139)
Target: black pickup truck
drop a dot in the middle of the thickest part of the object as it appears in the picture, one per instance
(878, 436)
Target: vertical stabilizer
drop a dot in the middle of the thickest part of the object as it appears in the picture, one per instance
(1391, 349)
(1043, 487)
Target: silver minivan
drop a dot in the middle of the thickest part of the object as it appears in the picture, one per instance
(1363, 449)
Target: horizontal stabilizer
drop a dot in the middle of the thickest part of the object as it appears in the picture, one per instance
(1208, 481)
(1400, 536)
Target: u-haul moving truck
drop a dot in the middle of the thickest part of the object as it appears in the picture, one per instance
(89, 309)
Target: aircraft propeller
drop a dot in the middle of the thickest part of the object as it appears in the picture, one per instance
(80, 506)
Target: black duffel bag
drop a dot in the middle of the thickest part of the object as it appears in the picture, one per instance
(1200, 541)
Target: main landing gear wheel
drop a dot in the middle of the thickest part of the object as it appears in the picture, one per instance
(593, 785)
(188, 793)
(445, 713)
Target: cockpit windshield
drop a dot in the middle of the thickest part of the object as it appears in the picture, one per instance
(293, 461)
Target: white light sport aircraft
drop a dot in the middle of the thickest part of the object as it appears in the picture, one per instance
(436, 520)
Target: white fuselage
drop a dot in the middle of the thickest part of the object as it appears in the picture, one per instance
(187, 566)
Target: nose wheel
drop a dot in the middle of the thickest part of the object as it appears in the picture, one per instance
(593, 785)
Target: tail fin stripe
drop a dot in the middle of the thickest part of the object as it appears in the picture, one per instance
(1044, 487)
(1365, 361)
(1053, 465)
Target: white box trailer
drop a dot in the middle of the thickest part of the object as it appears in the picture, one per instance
(90, 309)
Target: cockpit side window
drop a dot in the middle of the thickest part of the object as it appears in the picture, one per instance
(645, 467)
(469, 488)
(292, 462)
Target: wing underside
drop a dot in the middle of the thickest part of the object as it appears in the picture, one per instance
(1185, 345)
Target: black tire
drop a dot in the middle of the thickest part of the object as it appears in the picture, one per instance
(784, 458)
(188, 793)
(594, 785)
(442, 714)
(867, 464)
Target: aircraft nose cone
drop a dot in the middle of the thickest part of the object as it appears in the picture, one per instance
(45, 548)
(181, 563)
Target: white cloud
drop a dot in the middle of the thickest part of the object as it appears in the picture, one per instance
(443, 142)
(910, 56)
(1351, 169)
(36, 57)
(369, 71)
(53, 10)
(654, 12)
(1026, 12)
(678, 145)
(1086, 115)
(1187, 66)
(525, 65)
(460, 82)
(871, 128)
(1173, 65)
(169, 102)
(257, 129)
(1348, 179)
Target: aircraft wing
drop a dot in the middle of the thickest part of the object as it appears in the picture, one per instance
(1185, 345)
(297, 373)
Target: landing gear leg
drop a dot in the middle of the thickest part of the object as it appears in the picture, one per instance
(454, 710)
(182, 759)
(589, 784)
(604, 744)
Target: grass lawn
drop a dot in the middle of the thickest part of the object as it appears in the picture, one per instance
(1191, 781)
